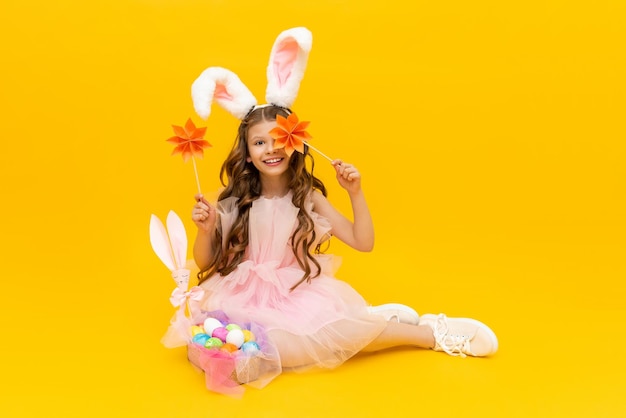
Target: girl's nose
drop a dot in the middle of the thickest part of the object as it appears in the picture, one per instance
(270, 147)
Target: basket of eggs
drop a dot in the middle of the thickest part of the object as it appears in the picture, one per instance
(229, 353)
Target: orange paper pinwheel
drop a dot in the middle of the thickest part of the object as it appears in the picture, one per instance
(290, 134)
(189, 141)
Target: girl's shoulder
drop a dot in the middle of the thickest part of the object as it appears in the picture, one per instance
(320, 203)
(317, 198)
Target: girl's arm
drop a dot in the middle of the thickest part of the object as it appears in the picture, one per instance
(203, 216)
(358, 234)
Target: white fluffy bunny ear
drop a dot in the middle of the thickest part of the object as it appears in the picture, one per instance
(223, 86)
(288, 61)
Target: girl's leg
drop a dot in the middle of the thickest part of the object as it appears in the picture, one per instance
(298, 351)
(455, 336)
(395, 312)
(398, 334)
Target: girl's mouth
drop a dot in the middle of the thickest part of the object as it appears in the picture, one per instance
(273, 161)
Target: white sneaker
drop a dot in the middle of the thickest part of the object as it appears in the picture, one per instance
(395, 311)
(461, 336)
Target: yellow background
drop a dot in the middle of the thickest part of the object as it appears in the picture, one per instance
(490, 135)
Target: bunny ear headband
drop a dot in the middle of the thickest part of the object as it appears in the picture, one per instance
(288, 60)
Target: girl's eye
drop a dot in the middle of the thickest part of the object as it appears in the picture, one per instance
(259, 142)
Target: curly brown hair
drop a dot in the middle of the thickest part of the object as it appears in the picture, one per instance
(241, 179)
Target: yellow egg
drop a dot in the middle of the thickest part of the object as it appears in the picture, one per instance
(248, 336)
(195, 329)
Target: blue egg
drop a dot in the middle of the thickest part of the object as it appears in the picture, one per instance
(250, 347)
(200, 338)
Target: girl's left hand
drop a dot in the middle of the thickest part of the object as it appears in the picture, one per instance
(348, 176)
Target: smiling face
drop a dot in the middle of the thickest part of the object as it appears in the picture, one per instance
(269, 161)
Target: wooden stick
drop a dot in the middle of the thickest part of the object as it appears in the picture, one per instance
(195, 169)
(319, 152)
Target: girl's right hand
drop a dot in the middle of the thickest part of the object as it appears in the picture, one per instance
(203, 214)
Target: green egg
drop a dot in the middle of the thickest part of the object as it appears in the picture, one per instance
(213, 342)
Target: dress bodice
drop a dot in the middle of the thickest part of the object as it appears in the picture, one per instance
(271, 224)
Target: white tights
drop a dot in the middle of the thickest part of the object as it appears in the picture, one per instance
(393, 335)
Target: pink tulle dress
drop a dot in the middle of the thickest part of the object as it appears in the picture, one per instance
(318, 324)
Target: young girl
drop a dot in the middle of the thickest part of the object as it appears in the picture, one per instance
(258, 261)
(258, 248)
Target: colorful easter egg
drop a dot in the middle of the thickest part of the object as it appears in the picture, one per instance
(221, 333)
(197, 329)
(228, 347)
(235, 337)
(231, 327)
(213, 342)
(210, 324)
(248, 335)
(200, 338)
(250, 347)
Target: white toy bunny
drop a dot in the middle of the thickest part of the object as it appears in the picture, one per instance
(170, 245)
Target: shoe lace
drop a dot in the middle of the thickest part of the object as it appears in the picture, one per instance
(454, 345)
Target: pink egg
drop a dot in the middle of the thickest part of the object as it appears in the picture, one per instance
(220, 333)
